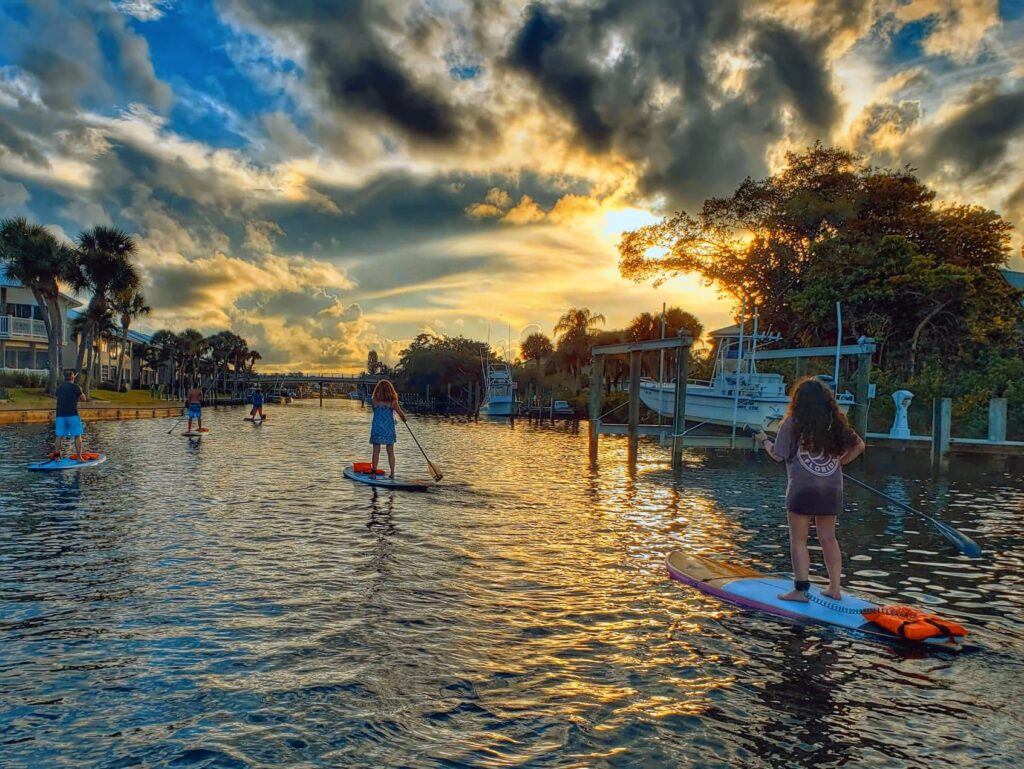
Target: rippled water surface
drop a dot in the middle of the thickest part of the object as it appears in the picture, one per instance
(236, 602)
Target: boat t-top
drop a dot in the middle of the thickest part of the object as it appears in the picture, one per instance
(736, 390)
(500, 397)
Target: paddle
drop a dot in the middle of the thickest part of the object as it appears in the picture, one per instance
(960, 541)
(438, 475)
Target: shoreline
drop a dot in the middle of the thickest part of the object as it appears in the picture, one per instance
(91, 413)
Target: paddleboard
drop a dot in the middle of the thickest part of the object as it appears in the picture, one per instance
(48, 465)
(196, 433)
(385, 482)
(750, 589)
(257, 421)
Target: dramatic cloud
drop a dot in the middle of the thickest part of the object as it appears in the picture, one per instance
(326, 178)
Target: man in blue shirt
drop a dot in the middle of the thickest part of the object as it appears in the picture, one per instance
(68, 421)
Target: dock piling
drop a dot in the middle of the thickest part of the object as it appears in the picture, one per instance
(632, 431)
(679, 419)
(596, 377)
(997, 420)
(942, 412)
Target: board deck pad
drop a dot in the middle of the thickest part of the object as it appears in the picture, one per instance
(49, 465)
(750, 589)
(384, 482)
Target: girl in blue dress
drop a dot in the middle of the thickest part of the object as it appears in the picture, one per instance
(382, 430)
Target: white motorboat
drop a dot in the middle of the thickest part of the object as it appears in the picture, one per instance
(499, 400)
(736, 389)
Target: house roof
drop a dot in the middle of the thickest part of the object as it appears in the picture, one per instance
(8, 282)
(1014, 278)
(133, 336)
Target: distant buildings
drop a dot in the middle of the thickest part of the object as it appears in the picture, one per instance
(23, 341)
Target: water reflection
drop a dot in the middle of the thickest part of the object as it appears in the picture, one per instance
(235, 601)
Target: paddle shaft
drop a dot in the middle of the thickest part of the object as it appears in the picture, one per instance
(960, 541)
(437, 473)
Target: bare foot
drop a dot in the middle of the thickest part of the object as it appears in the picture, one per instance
(794, 595)
(835, 595)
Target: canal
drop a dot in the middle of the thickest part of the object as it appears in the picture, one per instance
(235, 602)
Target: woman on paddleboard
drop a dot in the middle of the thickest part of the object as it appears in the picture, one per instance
(815, 440)
(382, 430)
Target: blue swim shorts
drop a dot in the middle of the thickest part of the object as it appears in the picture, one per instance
(69, 427)
(194, 411)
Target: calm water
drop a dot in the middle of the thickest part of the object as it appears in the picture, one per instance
(236, 602)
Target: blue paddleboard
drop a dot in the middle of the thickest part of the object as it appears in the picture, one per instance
(384, 482)
(48, 465)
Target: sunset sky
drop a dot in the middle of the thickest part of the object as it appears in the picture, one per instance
(329, 177)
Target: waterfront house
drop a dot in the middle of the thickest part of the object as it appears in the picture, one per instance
(23, 341)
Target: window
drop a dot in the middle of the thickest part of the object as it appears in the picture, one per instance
(42, 358)
(106, 374)
(18, 357)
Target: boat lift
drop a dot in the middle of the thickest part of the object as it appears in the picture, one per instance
(632, 429)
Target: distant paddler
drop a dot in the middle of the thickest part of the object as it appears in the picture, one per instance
(256, 399)
(194, 404)
(815, 440)
(67, 421)
(382, 429)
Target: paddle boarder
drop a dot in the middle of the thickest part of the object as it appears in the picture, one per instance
(256, 398)
(67, 421)
(194, 404)
(815, 440)
(382, 429)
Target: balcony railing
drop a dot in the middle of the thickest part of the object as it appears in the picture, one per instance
(11, 326)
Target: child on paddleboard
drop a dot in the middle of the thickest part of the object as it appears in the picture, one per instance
(815, 440)
(382, 430)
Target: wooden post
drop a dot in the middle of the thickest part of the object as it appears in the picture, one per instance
(322, 400)
(861, 394)
(679, 419)
(596, 374)
(942, 411)
(801, 368)
(997, 419)
(632, 429)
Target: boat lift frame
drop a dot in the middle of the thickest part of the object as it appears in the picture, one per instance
(863, 350)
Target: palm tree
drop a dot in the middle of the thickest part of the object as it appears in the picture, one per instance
(128, 304)
(193, 347)
(166, 344)
(536, 347)
(95, 326)
(36, 259)
(239, 355)
(573, 331)
(253, 356)
(105, 269)
(220, 348)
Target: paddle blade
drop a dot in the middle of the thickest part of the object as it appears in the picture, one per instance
(961, 541)
(438, 475)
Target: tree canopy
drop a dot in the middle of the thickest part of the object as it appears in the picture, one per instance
(911, 272)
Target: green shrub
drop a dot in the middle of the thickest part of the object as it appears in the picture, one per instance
(20, 379)
(4, 395)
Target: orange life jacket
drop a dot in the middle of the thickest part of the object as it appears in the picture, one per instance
(914, 624)
(86, 456)
(365, 467)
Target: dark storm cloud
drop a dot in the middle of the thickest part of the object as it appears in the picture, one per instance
(800, 67)
(608, 66)
(539, 49)
(348, 58)
(977, 139)
(63, 44)
(20, 143)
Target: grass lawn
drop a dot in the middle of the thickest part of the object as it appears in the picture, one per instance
(33, 398)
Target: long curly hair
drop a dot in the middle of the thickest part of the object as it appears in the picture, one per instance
(818, 424)
(385, 392)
